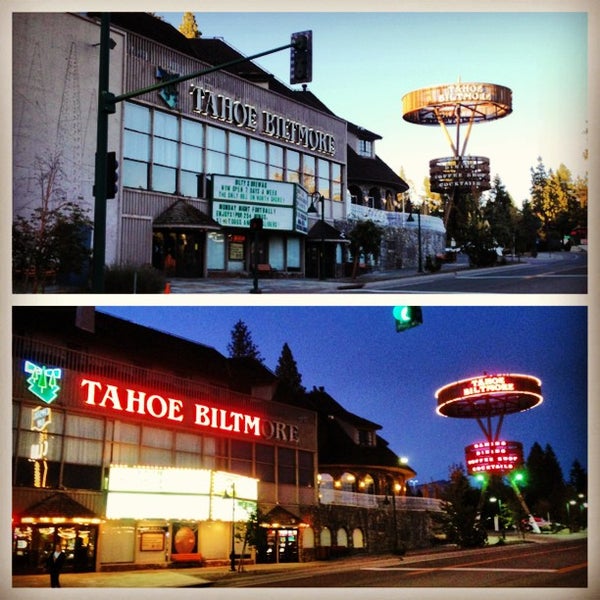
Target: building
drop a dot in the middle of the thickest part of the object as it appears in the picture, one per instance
(135, 448)
(197, 161)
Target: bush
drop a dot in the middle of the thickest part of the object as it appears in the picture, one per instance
(130, 279)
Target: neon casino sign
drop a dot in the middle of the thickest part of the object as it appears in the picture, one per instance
(496, 457)
(43, 381)
(141, 403)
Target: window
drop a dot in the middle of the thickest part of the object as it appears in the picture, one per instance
(215, 150)
(241, 457)
(365, 148)
(265, 463)
(275, 163)
(336, 182)
(136, 146)
(323, 181)
(286, 465)
(308, 173)
(238, 155)
(192, 141)
(164, 153)
(258, 159)
(306, 475)
(292, 166)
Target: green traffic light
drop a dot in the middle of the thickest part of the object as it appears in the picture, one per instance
(407, 317)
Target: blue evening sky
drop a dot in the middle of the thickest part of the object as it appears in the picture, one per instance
(365, 62)
(391, 378)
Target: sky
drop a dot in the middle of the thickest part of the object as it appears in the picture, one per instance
(390, 378)
(365, 62)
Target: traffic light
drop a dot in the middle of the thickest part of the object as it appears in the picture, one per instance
(407, 317)
(112, 174)
(301, 57)
(256, 223)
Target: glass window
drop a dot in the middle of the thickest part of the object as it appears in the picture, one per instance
(192, 133)
(323, 181)
(293, 166)
(238, 145)
(157, 438)
(84, 427)
(165, 126)
(286, 465)
(188, 442)
(258, 159)
(308, 173)
(136, 145)
(135, 174)
(191, 158)
(265, 462)
(306, 475)
(82, 451)
(336, 182)
(164, 179)
(293, 253)
(275, 163)
(215, 139)
(165, 152)
(137, 117)
(125, 432)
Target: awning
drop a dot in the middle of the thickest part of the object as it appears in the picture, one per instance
(281, 517)
(57, 508)
(322, 231)
(182, 215)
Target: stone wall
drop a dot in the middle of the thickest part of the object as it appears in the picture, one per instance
(413, 529)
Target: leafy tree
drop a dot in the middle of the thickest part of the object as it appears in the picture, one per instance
(527, 227)
(241, 344)
(287, 371)
(365, 239)
(53, 237)
(460, 508)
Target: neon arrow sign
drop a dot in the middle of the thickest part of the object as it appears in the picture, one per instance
(43, 381)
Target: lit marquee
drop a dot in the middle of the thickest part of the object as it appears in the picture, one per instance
(499, 457)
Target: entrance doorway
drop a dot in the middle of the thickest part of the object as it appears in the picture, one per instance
(179, 253)
(32, 544)
(281, 547)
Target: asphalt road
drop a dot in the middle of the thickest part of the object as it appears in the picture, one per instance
(548, 565)
(557, 273)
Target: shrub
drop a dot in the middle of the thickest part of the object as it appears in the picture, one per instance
(128, 279)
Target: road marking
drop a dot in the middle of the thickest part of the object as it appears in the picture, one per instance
(486, 569)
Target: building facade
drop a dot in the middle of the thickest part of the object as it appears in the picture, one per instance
(198, 161)
(134, 448)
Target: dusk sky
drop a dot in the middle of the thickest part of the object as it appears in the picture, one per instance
(365, 62)
(391, 378)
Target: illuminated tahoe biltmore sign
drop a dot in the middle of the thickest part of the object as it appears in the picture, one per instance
(135, 402)
(486, 385)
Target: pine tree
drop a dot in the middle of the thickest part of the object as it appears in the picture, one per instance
(287, 371)
(189, 27)
(242, 345)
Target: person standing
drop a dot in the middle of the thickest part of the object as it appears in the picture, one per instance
(54, 565)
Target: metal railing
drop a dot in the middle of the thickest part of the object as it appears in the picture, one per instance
(345, 498)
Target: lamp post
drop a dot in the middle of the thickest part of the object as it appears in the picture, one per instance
(570, 503)
(420, 248)
(395, 521)
(314, 198)
(493, 499)
(232, 555)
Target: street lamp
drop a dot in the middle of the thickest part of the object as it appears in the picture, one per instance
(232, 554)
(312, 209)
(420, 248)
(386, 502)
(500, 525)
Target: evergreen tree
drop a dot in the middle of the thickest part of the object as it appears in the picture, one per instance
(545, 492)
(578, 478)
(460, 510)
(287, 371)
(189, 27)
(241, 344)
(365, 239)
(500, 213)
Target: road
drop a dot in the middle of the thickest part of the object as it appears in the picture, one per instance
(547, 565)
(557, 273)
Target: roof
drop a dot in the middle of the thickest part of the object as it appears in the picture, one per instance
(183, 214)
(58, 505)
(362, 133)
(325, 232)
(373, 170)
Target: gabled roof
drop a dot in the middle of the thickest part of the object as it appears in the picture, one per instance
(322, 230)
(362, 133)
(321, 402)
(367, 170)
(183, 214)
(59, 505)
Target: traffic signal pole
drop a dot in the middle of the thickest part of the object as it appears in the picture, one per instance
(106, 106)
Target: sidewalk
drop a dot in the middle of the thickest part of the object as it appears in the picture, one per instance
(207, 576)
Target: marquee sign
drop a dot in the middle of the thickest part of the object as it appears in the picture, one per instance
(499, 457)
(237, 200)
(203, 415)
(489, 395)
